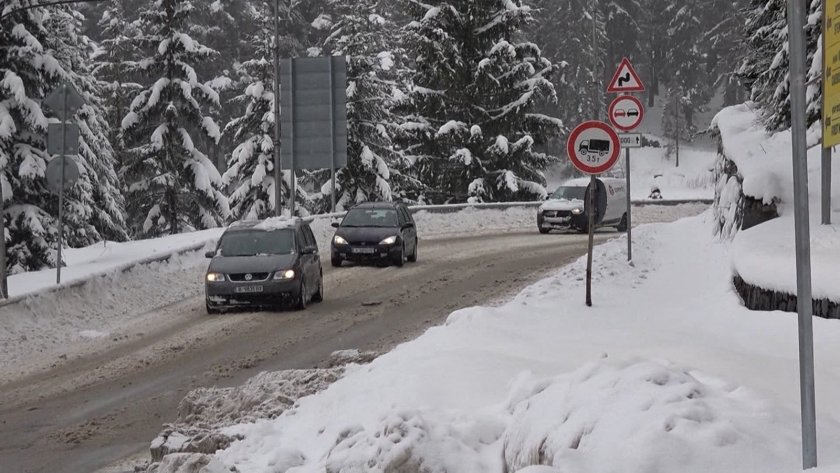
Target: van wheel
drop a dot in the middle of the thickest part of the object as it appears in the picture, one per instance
(319, 296)
(622, 225)
(412, 258)
(300, 304)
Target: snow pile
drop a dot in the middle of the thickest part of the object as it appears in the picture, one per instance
(204, 411)
(667, 372)
(106, 257)
(606, 416)
(41, 328)
(764, 255)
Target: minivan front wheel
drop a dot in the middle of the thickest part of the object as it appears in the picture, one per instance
(319, 296)
(300, 304)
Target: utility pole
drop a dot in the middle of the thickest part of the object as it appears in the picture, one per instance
(278, 175)
(796, 32)
(825, 171)
(677, 126)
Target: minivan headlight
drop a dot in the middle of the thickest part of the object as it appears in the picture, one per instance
(389, 241)
(215, 277)
(339, 241)
(285, 274)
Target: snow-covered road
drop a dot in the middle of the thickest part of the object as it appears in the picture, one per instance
(109, 399)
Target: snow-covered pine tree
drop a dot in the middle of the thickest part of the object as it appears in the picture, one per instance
(623, 31)
(117, 46)
(171, 184)
(575, 41)
(476, 88)
(686, 71)
(367, 38)
(726, 47)
(764, 69)
(250, 173)
(43, 48)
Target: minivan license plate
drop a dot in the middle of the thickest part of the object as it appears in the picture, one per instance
(249, 289)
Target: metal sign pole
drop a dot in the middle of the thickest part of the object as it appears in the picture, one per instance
(292, 166)
(677, 127)
(593, 187)
(332, 132)
(826, 150)
(826, 186)
(61, 190)
(629, 208)
(4, 289)
(796, 29)
(278, 175)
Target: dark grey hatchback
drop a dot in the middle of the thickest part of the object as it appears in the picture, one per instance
(375, 231)
(264, 264)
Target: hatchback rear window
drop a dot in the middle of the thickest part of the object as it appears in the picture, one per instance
(258, 242)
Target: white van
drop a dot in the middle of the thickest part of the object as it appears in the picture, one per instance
(564, 209)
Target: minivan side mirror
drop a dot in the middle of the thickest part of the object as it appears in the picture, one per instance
(210, 254)
(309, 250)
(335, 224)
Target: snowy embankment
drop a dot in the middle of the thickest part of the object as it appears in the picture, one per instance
(43, 326)
(764, 255)
(651, 167)
(667, 372)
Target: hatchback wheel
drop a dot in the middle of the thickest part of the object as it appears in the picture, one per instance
(399, 260)
(336, 261)
(300, 304)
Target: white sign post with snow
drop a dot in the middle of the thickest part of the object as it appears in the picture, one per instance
(63, 138)
(626, 114)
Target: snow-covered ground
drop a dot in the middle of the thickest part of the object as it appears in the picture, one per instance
(693, 179)
(649, 167)
(764, 255)
(667, 372)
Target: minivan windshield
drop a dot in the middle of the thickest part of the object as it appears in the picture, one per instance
(258, 242)
(371, 218)
(569, 193)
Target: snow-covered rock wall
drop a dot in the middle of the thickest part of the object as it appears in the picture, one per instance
(755, 185)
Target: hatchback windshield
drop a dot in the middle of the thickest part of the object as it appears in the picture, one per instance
(258, 242)
(370, 218)
(569, 193)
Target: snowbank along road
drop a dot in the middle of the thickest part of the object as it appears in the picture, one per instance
(108, 400)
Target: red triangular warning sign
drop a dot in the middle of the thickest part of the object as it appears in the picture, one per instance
(625, 79)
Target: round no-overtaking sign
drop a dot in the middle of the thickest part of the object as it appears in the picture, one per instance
(593, 147)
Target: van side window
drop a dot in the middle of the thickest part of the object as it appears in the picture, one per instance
(310, 236)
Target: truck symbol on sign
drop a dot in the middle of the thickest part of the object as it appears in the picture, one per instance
(601, 147)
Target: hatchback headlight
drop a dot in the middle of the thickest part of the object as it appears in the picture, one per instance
(339, 241)
(389, 241)
(215, 277)
(285, 274)
(577, 211)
